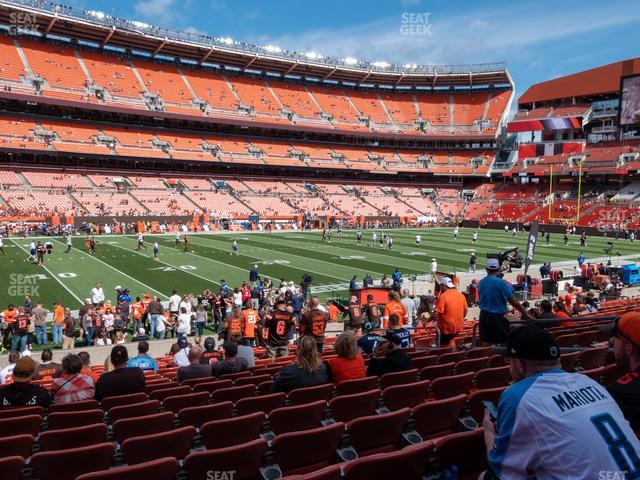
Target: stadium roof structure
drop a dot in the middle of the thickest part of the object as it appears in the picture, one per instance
(92, 27)
(597, 82)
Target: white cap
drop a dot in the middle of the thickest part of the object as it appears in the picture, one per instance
(433, 259)
(118, 287)
(141, 331)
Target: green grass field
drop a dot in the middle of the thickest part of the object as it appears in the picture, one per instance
(68, 278)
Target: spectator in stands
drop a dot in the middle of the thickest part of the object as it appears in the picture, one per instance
(210, 351)
(395, 326)
(141, 335)
(626, 348)
(143, 360)
(495, 293)
(314, 323)
(180, 356)
(388, 357)
(349, 364)
(86, 366)
(5, 373)
(245, 350)
(554, 424)
(409, 308)
(40, 318)
(195, 369)
(69, 330)
(72, 385)
(231, 363)
(22, 392)
(122, 380)
(450, 311)
(307, 371)
(278, 322)
(393, 306)
(48, 369)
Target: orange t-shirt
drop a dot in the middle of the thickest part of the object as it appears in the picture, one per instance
(393, 308)
(333, 313)
(137, 309)
(451, 307)
(10, 315)
(250, 318)
(58, 314)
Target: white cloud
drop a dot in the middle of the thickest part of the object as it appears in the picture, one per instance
(159, 11)
(475, 36)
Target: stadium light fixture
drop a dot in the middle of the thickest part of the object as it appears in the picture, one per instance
(273, 49)
(313, 55)
(226, 40)
(350, 61)
(410, 66)
(381, 64)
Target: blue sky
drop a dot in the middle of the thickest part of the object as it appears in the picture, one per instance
(538, 39)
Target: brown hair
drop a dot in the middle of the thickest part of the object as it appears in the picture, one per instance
(345, 346)
(308, 358)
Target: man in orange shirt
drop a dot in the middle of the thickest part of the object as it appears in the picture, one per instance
(334, 312)
(393, 307)
(250, 318)
(450, 310)
(137, 311)
(58, 321)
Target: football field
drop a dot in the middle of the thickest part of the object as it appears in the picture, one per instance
(68, 278)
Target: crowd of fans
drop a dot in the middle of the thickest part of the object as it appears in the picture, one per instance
(546, 413)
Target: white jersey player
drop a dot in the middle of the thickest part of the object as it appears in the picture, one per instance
(418, 240)
(456, 232)
(474, 237)
(374, 237)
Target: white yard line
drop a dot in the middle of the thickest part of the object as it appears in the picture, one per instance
(55, 277)
(119, 271)
(165, 263)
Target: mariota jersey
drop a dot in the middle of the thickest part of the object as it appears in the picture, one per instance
(562, 425)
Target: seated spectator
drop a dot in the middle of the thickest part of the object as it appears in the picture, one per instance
(368, 342)
(546, 313)
(86, 366)
(48, 369)
(5, 373)
(72, 385)
(626, 348)
(22, 392)
(180, 355)
(388, 357)
(140, 335)
(349, 364)
(554, 424)
(210, 351)
(122, 380)
(143, 360)
(402, 333)
(245, 351)
(307, 371)
(231, 363)
(195, 369)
